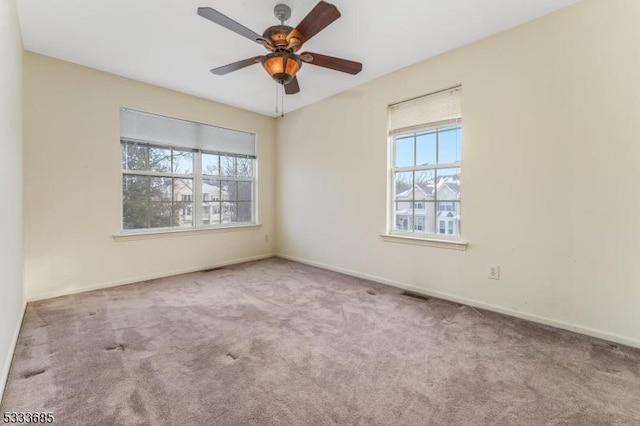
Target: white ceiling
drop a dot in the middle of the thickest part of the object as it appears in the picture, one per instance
(164, 42)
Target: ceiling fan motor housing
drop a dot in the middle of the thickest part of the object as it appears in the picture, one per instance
(277, 35)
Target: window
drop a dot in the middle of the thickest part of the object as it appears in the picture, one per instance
(169, 164)
(425, 136)
(227, 181)
(446, 207)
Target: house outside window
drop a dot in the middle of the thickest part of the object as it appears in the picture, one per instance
(169, 164)
(425, 137)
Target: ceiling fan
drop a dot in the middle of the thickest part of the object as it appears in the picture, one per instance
(282, 41)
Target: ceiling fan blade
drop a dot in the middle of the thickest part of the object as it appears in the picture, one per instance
(337, 64)
(318, 19)
(226, 69)
(220, 19)
(292, 87)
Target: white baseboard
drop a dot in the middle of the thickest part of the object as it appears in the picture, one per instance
(10, 352)
(628, 341)
(75, 290)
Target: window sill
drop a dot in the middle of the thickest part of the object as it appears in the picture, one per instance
(147, 235)
(421, 241)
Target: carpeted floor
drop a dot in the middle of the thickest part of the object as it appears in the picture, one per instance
(277, 342)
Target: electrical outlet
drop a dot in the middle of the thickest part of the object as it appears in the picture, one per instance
(493, 272)
(266, 238)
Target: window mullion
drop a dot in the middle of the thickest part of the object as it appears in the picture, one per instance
(435, 187)
(156, 174)
(448, 165)
(416, 168)
(220, 189)
(391, 179)
(148, 200)
(236, 178)
(413, 192)
(197, 190)
(172, 212)
(254, 192)
(413, 202)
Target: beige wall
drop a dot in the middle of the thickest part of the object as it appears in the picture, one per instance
(11, 295)
(549, 180)
(73, 182)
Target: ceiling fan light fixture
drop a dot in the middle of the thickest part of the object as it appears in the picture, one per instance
(281, 66)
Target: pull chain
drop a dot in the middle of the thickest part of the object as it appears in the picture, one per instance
(282, 101)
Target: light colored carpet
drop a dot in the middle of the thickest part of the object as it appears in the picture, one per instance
(277, 342)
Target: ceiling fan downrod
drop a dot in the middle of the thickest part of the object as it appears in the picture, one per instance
(282, 12)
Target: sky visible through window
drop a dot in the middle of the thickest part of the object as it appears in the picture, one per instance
(448, 141)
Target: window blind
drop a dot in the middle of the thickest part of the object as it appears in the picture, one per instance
(425, 112)
(160, 130)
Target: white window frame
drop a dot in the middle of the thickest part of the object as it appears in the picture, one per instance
(435, 167)
(224, 204)
(392, 230)
(197, 196)
(178, 133)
